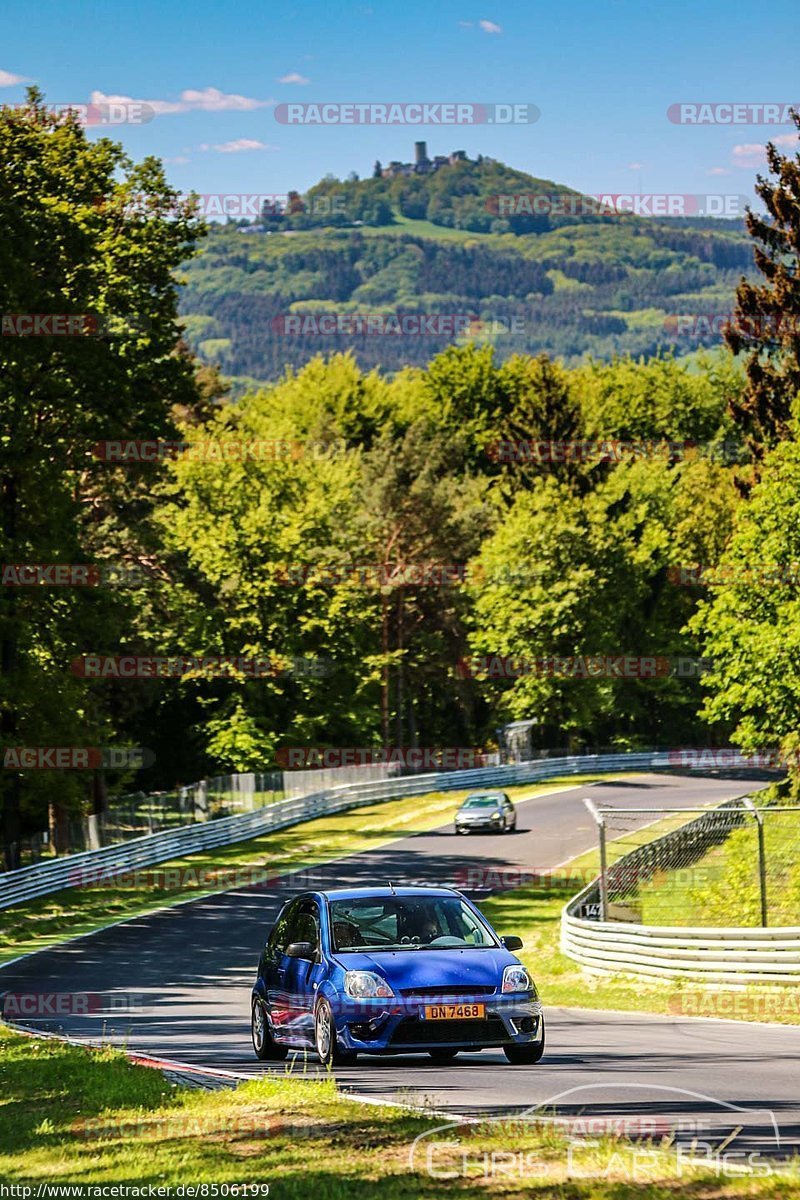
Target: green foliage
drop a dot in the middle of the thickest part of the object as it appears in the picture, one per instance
(571, 285)
(767, 315)
(72, 245)
(751, 624)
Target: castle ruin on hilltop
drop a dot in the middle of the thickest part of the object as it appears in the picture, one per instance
(422, 165)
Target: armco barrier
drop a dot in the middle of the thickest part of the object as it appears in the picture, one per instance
(56, 874)
(736, 955)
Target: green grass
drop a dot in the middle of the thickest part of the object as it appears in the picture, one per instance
(66, 914)
(722, 888)
(534, 914)
(427, 229)
(72, 1116)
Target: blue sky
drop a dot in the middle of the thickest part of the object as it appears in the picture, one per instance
(602, 73)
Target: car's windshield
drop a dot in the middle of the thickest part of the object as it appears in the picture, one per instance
(402, 923)
(482, 802)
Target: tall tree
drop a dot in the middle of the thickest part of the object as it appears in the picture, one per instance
(766, 325)
(89, 236)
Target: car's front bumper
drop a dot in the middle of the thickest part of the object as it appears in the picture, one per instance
(479, 826)
(400, 1026)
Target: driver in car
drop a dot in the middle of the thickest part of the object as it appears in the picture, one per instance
(421, 926)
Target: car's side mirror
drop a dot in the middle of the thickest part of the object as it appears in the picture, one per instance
(512, 942)
(303, 950)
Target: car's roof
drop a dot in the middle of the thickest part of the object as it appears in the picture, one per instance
(491, 794)
(384, 891)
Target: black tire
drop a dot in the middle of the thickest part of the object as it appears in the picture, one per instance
(526, 1055)
(443, 1054)
(325, 1040)
(264, 1047)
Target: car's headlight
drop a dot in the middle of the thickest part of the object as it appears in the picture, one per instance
(517, 979)
(495, 816)
(365, 985)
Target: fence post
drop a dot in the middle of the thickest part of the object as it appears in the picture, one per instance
(600, 821)
(762, 858)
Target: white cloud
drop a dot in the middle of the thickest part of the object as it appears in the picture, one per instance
(754, 154)
(718, 171)
(179, 159)
(9, 79)
(748, 154)
(293, 77)
(240, 146)
(635, 166)
(466, 24)
(490, 27)
(208, 99)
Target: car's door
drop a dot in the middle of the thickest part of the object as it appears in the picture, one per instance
(302, 976)
(509, 812)
(274, 967)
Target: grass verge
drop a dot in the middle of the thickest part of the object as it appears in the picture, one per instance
(62, 915)
(73, 1117)
(534, 913)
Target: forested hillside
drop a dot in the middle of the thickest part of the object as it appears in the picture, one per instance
(574, 286)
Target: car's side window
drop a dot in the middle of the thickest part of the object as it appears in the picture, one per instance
(305, 926)
(279, 938)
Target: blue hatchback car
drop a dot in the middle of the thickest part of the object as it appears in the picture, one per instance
(387, 970)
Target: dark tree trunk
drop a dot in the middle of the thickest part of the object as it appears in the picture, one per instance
(11, 786)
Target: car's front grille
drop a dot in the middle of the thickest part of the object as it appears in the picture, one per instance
(446, 990)
(482, 1032)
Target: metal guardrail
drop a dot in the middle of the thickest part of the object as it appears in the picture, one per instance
(75, 870)
(735, 954)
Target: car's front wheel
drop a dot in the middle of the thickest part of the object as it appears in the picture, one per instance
(326, 1041)
(526, 1055)
(266, 1049)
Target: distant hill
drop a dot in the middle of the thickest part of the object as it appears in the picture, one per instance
(537, 266)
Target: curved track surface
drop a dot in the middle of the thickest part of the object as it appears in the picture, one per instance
(191, 968)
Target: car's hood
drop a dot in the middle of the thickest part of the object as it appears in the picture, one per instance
(477, 814)
(409, 969)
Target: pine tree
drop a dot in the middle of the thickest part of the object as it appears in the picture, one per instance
(766, 323)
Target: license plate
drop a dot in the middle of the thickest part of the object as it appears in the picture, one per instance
(451, 1012)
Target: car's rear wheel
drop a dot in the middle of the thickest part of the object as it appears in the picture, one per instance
(526, 1055)
(266, 1049)
(443, 1055)
(326, 1041)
